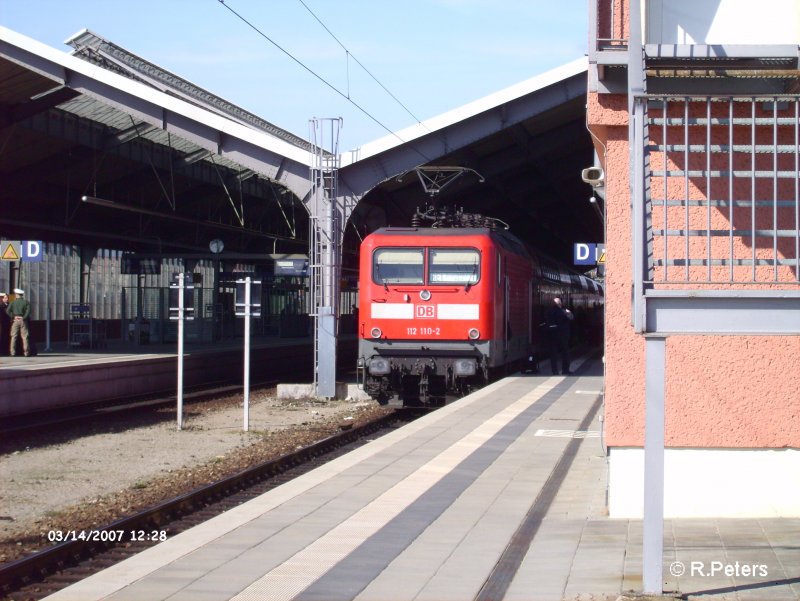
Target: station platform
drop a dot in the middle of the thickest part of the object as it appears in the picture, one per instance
(499, 495)
(65, 377)
(62, 354)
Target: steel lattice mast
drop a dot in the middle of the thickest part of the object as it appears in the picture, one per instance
(327, 220)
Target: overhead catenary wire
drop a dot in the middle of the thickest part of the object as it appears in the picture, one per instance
(367, 71)
(316, 75)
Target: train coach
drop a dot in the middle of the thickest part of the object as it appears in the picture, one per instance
(444, 310)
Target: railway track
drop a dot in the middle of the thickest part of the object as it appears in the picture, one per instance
(20, 424)
(205, 370)
(70, 561)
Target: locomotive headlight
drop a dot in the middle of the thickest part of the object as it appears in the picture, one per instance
(473, 334)
(464, 367)
(375, 332)
(425, 295)
(379, 366)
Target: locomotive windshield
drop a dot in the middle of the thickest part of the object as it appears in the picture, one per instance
(453, 266)
(445, 266)
(397, 266)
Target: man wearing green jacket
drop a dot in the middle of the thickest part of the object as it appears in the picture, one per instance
(19, 311)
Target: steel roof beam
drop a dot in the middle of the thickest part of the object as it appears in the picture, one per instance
(249, 148)
(366, 173)
(93, 135)
(9, 115)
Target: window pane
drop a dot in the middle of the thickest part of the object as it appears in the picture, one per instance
(454, 266)
(397, 266)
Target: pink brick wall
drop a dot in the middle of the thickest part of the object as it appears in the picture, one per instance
(721, 391)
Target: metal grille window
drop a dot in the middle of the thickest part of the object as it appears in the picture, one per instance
(722, 176)
(610, 24)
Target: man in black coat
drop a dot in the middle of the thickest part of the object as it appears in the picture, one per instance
(558, 326)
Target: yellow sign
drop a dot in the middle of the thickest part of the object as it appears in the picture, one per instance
(11, 251)
(602, 258)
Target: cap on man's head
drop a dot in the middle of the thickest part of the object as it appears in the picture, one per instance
(3, 293)
(18, 291)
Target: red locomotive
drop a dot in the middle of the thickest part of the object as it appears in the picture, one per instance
(444, 309)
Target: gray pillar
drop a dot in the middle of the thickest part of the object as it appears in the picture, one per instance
(87, 256)
(326, 343)
(328, 253)
(653, 525)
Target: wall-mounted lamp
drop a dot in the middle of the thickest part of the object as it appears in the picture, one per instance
(594, 176)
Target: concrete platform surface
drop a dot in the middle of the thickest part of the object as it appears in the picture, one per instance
(62, 355)
(500, 495)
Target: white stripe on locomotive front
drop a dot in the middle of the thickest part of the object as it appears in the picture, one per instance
(458, 311)
(392, 311)
(406, 311)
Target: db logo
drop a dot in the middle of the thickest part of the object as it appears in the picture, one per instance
(425, 311)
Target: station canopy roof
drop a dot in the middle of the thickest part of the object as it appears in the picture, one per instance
(85, 170)
(203, 168)
(521, 151)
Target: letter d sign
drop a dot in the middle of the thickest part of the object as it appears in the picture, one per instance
(32, 251)
(584, 254)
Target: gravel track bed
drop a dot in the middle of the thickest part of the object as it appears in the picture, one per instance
(81, 476)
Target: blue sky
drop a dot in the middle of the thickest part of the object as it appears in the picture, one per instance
(433, 55)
